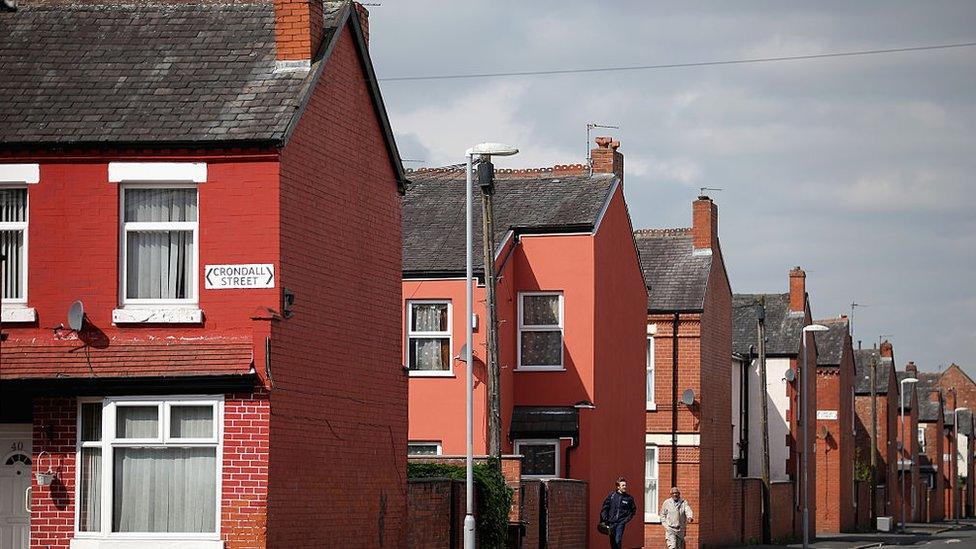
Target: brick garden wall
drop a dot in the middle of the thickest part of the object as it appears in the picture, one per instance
(531, 491)
(782, 506)
(339, 405)
(430, 513)
(746, 505)
(567, 518)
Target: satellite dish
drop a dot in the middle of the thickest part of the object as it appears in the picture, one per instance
(76, 316)
(789, 376)
(463, 355)
(688, 397)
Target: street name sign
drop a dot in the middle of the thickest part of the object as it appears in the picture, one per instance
(826, 414)
(229, 277)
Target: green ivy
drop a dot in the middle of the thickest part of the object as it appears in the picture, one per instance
(493, 496)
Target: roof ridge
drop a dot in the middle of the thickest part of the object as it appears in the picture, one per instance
(665, 232)
(542, 172)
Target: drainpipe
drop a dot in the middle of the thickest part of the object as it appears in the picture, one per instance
(572, 446)
(674, 399)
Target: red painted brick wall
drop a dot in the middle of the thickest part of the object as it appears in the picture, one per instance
(339, 405)
(244, 473)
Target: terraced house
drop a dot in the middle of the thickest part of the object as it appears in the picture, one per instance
(688, 398)
(876, 417)
(571, 306)
(190, 194)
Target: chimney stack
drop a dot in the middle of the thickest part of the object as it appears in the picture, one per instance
(704, 220)
(886, 350)
(605, 158)
(798, 290)
(298, 29)
(912, 370)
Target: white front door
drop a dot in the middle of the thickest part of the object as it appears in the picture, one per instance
(15, 480)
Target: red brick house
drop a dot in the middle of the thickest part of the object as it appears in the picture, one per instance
(571, 306)
(689, 323)
(933, 477)
(835, 427)
(785, 316)
(885, 428)
(909, 443)
(209, 181)
(960, 390)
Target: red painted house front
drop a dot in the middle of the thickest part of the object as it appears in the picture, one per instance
(212, 198)
(571, 337)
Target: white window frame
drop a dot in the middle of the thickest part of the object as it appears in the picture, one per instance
(651, 508)
(920, 435)
(449, 372)
(540, 442)
(437, 445)
(651, 404)
(542, 328)
(109, 442)
(19, 226)
(193, 299)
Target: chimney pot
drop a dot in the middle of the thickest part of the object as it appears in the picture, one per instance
(605, 158)
(886, 350)
(798, 289)
(912, 369)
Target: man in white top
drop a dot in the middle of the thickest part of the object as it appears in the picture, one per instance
(675, 514)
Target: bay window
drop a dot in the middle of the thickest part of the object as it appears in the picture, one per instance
(149, 466)
(159, 245)
(13, 244)
(540, 331)
(429, 337)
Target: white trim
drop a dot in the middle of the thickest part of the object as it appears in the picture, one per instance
(12, 313)
(539, 442)
(541, 328)
(650, 403)
(20, 173)
(194, 291)
(436, 444)
(664, 439)
(189, 172)
(652, 328)
(449, 334)
(533, 235)
(606, 204)
(157, 315)
(650, 511)
(108, 442)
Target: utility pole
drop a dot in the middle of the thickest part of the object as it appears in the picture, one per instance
(486, 179)
(874, 436)
(761, 340)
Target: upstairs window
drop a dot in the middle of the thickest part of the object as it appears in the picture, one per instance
(159, 245)
(429, 337)
(921, 439)
(650, 370)
(541, 331)
(13, 244)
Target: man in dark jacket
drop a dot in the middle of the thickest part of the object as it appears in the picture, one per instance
(618, 509)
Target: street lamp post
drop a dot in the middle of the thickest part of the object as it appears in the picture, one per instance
(483, 151)
(955, 460)
(806, 448)
(904, 439)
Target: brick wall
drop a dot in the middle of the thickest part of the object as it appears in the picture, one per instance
(746, 509)
(834, 452)
(568, 517)
(243, 482)
(531, 491)
(782, 505)
(863, 497)
(339, 405)
(429, 513)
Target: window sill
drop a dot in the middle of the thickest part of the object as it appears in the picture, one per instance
(652, 520)
(652, 407)
(17, 313)
(538, 369)
(145, 543)
(430, 373)
(157, 315)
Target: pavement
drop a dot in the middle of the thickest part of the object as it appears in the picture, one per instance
(930, 536)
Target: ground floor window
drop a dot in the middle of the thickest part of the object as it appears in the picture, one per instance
(149, 465)
(423, 448)
(650, 483)
(540, 458)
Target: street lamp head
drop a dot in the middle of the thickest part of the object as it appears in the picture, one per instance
(492, 149)
(961, 409)
(909, 380)
(815, 328)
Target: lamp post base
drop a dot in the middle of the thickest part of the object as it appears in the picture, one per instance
(469, 532)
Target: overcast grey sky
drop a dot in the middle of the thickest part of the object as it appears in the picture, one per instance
(859, 169)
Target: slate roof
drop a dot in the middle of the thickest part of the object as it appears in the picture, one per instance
(900, 375)
(862, 372)
(928, 411)
(149, 72)
(676, 276)
(965, 422)
(830, 344)
(782, 326)
(544, 422)
(524, 201)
